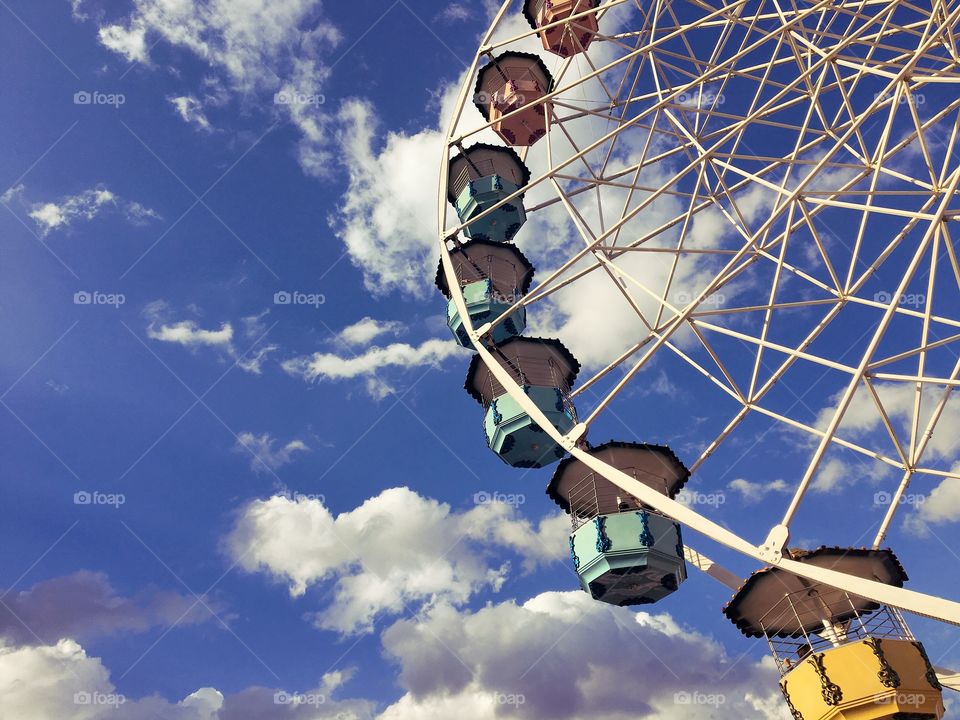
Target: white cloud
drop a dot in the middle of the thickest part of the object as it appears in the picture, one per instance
(373, 360)
(140, 214)
(266, 457)
(396, 550)
(189, 334)
(862, 417)
(863, 423)
(940, 507)
(615, 664)
(364, 331)
(51, 681)
(76, 10)
(55, 681)
(244, 40)
(754, 492)
(255, 358)
(191, 111)
(85, 205)
(130, 41)
(847, 470)
(258, 48)
(455, 12)
(386, 218)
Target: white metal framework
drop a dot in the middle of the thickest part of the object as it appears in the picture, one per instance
(770, 186)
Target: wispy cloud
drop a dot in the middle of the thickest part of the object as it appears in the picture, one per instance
(371, 362)
(265, 455)
(189, 333)
(83, 206)
(191, 111)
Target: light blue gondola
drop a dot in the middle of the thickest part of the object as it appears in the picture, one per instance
(625, 553)
(546, 370)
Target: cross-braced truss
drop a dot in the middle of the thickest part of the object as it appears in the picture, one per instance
(770, 187)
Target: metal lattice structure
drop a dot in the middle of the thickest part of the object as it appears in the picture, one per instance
(770, 186)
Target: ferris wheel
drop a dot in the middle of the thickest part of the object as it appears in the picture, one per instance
(759, 194)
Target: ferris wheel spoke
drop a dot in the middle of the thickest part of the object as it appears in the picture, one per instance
(845, 401)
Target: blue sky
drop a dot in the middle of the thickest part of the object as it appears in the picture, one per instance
(283, 496)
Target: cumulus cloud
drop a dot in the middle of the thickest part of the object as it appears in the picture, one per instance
(507, 657)
(940, 507)
(386, 219)
(753, 492)
(445, 554)
(863, 423)
(190, 334)
(62, 681)
(862, 418)
(84, 206)
(85, 604)
(266, 457)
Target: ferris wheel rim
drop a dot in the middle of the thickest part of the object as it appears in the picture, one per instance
(770, 553)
